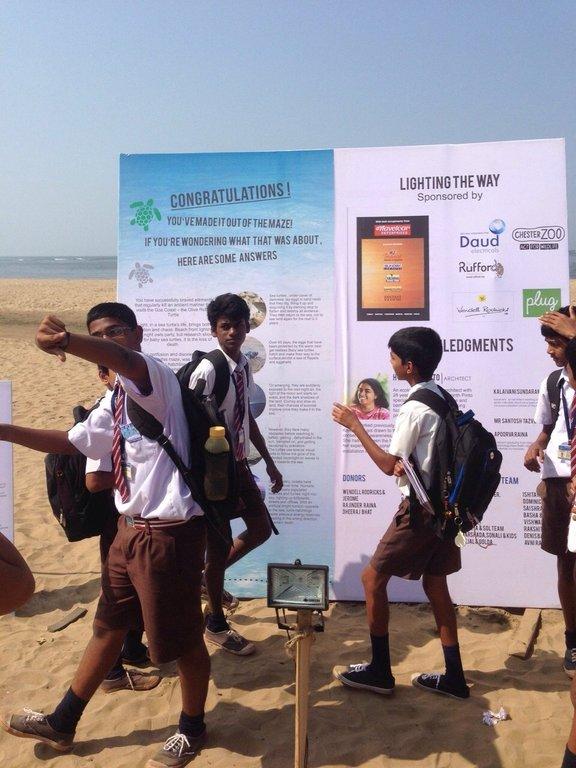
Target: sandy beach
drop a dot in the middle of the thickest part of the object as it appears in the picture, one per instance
(250, 708)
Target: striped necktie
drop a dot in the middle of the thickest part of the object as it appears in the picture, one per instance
(573, 439)
(239, 409)
(119, 480)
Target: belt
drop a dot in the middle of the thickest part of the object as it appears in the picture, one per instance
(142, 522)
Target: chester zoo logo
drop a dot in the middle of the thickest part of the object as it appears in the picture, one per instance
(145, 212)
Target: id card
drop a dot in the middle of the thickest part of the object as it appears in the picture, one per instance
(130, 433)
(128, 471)
(564, 452)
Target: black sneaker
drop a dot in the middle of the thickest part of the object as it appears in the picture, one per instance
(140, 659)
(360, 676)
(570, 662)
(438, 683)
(29, 724)
(177, 752)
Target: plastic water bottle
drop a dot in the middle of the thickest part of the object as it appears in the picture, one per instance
(217, 456)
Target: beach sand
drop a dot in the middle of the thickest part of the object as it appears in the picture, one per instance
(250, 709)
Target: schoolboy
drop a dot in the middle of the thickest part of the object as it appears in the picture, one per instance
(549, 454)
(153, 570)
(563, 325)
(409, 548)
(100, 477)
(229, 318)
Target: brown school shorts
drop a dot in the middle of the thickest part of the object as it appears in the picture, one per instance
(410, 549)
(152, 576)
(251, 502)
(555, 495)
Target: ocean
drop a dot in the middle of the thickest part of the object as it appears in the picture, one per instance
(90, 267)
(58, 267)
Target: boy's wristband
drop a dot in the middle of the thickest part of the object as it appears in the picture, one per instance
(66, 341)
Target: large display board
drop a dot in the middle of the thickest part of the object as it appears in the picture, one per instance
(262, 225)
(334, 251)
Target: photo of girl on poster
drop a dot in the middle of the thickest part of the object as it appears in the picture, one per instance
(370, 401)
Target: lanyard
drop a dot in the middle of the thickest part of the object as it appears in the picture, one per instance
(570, 425)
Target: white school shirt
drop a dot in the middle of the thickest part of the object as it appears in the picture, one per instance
(99, 465)
(205, 370)
(157, 490)
(414, 432)
(553, 466)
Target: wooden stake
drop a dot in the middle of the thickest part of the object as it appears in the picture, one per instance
(70, 618)
(303, 646)
(522, 643)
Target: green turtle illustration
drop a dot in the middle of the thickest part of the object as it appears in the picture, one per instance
(145, 213)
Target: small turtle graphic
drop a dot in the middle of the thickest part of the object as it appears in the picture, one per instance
(145, 212)
(140, 273)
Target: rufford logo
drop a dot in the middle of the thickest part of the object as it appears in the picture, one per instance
(393, 230)
(392, 279)
(537, 301)
(479, 269)
(539, 234)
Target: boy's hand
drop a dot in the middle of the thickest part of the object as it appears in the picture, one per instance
(275, 478)
(399, 468)
(534, 457)
(560, 324)
(344, 415)
(52, 337)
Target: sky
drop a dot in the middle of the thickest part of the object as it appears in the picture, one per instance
(82, 82)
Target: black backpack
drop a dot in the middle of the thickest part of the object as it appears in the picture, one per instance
(465, 466)
(80, 513)
(553, 392)
(201, 414)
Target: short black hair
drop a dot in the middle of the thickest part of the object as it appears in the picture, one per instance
(112, 309)
(103, 369)
(570, 354)
(230, 306)
(380, 400)
(419, 345)
(550, 333)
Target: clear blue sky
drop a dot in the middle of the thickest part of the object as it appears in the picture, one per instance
(82, 82)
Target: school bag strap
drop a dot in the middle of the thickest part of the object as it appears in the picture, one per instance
(440, 405)
(221, 370)
(553, 387)
(149, 426)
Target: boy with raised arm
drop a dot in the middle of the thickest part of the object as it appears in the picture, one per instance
(100, 477)
(153, 570)
(409, 548)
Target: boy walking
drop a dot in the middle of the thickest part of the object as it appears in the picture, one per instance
(409, 548)
(549, 454)
(153, 570)
(229, 318)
